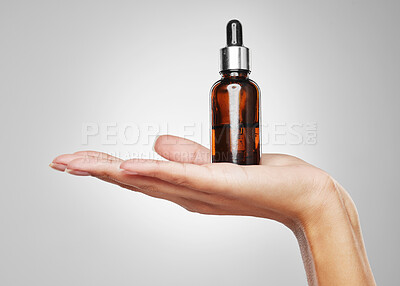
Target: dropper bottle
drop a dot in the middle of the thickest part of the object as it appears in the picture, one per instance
(235, 105)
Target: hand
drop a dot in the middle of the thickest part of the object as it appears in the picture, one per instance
(282, 188)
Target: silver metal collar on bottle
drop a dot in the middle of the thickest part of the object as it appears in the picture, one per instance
(235, 58)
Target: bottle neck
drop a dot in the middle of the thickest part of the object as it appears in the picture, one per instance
(239, 74)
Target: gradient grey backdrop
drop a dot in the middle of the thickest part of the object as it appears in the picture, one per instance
(64, 63)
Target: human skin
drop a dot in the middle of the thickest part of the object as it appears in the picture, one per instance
(283, 188)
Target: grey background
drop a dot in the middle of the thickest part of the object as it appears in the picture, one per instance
(64, 63)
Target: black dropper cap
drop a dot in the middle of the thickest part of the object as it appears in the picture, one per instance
(234, 56)
(234, 35)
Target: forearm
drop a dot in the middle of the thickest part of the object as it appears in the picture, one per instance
(331, 245)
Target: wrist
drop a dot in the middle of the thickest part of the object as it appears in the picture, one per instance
(327, 204)
(331, 242)
(334, 209)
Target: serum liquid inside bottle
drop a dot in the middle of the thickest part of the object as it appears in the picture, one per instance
(235, 105)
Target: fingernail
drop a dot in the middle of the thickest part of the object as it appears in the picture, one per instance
(58, 167)
(154, 143)
(129, 172)
(77, 172)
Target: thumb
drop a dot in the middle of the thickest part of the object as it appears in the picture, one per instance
(182, 150)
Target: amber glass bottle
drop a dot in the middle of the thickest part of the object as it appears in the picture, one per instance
(235, 105)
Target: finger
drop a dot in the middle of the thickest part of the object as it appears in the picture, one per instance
(60, 162)
(209, 178)
(224, 179)
(108, 170)
(280, 160)
(99, 155)
(58, 167)
(182, 150)
(258, 186)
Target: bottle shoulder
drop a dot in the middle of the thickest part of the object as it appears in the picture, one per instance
(222, 85)
(255, 84)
